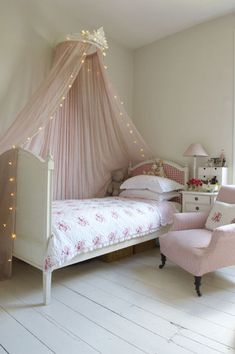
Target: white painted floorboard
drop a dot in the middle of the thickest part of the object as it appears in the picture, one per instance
(129, 306)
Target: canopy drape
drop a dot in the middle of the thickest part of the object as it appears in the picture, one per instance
(77, 116)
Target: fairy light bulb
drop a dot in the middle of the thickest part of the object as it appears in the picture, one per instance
(28, 138)
(63, 98)
(104, 54)
(40, 128)
(13, 236)
(13, 146)
(51, 117)
(121, 114)
(11, 179)
(135, 142)
(10, 163)
(10, 208)
(122, 102)
(5, 225)
(115, 97)
(105, 66)
(71, 76)
(131, 131)
(12, 194)
(70, 86)
(61, 105)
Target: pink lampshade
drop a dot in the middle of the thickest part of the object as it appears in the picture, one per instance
(195, 149)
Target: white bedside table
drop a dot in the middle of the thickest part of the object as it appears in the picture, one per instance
(197, 201)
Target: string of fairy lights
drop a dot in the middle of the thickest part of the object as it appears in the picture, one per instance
(98, 39)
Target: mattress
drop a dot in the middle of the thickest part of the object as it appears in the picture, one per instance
(80, 226)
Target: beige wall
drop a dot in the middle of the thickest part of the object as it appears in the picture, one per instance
(27, 36)
(183, 90)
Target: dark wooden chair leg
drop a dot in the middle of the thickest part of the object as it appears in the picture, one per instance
(197, 284)
(163, 260)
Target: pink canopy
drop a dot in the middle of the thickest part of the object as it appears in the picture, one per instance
(77, 116)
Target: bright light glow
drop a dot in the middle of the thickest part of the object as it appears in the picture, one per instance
(13, 236)
(10, 163)
(11, 179)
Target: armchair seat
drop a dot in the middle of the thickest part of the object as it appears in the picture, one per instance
(196, 249)
(186, 248)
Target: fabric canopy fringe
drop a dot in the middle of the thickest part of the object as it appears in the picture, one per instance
(77, 116)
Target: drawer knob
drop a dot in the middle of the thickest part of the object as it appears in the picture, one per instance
(197, 208)
(196, 198)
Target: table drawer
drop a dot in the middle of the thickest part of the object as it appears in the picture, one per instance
(199, 199)
(196, 207)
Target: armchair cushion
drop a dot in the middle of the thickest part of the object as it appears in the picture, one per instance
(187, 221)
(220, 214)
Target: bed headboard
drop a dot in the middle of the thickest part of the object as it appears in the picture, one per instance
(172, 170)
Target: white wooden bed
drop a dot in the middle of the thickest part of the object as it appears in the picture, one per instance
(33, 217)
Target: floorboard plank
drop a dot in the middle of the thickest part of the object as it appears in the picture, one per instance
(128, 306)
(137, 300)
(103, 340)
(16, 339)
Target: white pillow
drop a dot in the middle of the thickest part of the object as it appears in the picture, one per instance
(220, 214)
(146, 194)
(152, 183)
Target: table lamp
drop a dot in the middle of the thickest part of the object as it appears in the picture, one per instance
(195, 150)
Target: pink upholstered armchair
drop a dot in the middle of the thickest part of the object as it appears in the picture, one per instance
(196, 249)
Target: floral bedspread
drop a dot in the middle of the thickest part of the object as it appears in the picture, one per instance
(84, 225)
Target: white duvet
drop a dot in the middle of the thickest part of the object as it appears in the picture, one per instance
(84, 225)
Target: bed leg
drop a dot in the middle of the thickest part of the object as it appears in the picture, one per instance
(46, 288)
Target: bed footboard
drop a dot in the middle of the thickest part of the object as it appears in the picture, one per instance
(33, 203)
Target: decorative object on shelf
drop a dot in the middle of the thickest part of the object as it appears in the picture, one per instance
(194, 184)
(195, 150)
(223, 159)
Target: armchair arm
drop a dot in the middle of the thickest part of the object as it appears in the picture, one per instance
(222, 234)
(188, 221)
